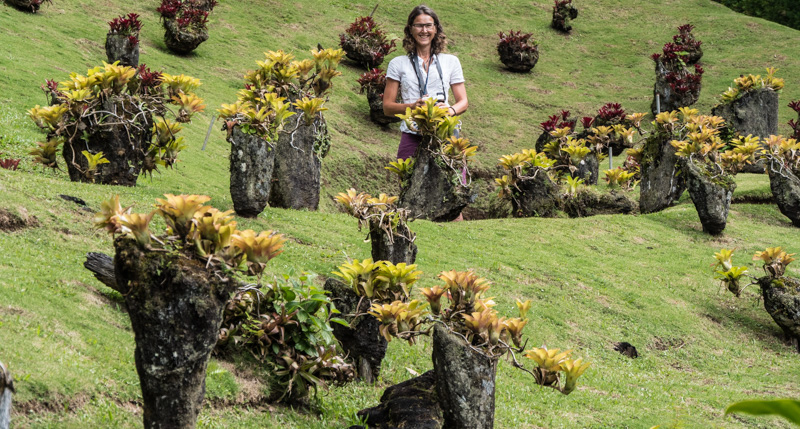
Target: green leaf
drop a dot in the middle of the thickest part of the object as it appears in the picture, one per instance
(339, 321)
(786, 408)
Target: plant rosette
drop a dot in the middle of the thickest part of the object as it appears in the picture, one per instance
(113, 122)
(518, 52)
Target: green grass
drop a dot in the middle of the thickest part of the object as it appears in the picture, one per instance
(642, 279)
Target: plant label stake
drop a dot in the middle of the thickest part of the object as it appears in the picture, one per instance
(610, 161)
(208, 134)
(658, 103)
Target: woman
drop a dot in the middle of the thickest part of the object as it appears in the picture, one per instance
(433, 75)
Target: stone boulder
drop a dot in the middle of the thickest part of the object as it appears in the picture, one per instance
(396, 249)
(661, 183)
(182, 42)
(252, 160)
(376, 114)
(711, 194)
(123, 143)
(296, 175)
(362, 341)
(410, 404)
(756, 113)
(782, 302)
(120, 48)
(465, 381)
(535, 196)
(785, 187)
(434, 191)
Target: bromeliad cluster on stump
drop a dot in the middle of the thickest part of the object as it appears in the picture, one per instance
(185, 23)
(437, 186)
(676, 84)
(469, 337)
(563, 14)
(268, 163)
(176, 286)
(781, 294)
(113, 122)
(27, 5)
(122, 40)
(365, 43)
(518, 52)
(373, 83)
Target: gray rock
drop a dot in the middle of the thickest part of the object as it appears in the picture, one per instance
(785, 187)
(361, 341)
(175, 305)
(588, 169)
(296, 176)
(412, 404)
(756, 113)
(182, 42)
(536, 196)
(711, 194)
(252, 161)
(434, 191)
(119, 48)
(398, 249)
(661, 183)
(376, 114)
(782, 302)
(588, 202)
(465, 381)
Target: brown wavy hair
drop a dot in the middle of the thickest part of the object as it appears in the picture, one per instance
(439, 42)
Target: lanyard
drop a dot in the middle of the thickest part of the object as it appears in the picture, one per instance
(423, 87)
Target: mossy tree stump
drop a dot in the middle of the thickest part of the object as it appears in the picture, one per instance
(175, 305)
(661, 183)
(298, 161)
(785, 187)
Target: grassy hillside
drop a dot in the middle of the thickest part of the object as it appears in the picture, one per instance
(642, 279)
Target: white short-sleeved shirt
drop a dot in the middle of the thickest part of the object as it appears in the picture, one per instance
(402, 70)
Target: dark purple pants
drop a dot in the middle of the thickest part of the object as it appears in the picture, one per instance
(408, 145)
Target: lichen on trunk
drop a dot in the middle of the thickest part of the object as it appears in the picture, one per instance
(252, 160)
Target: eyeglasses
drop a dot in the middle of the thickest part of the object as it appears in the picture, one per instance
(428, 26)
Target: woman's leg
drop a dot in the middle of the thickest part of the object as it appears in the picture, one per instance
(408, 145)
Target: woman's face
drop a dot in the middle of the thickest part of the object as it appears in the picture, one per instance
(423, 30)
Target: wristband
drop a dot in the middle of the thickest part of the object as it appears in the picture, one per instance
(454, 110)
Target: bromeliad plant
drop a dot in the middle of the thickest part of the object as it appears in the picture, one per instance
(781, 294)
(795, 124)
(127, 26)
(520, 166)
(518, 51)
(27, 5)
(262, 106)
(687, 45)
(378, 213)
(365, 43)
(697, 138)
(745, 84)
(470, 315)
(286, 323)
(121, 112)
(437, 129)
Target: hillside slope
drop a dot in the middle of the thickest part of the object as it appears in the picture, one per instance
(642, 279)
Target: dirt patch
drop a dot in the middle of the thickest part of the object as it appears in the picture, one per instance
(57, 404)
(252, 390)
(12, 311)
(753, 199)
(10, 221)
(99, 299)
(664, 344)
